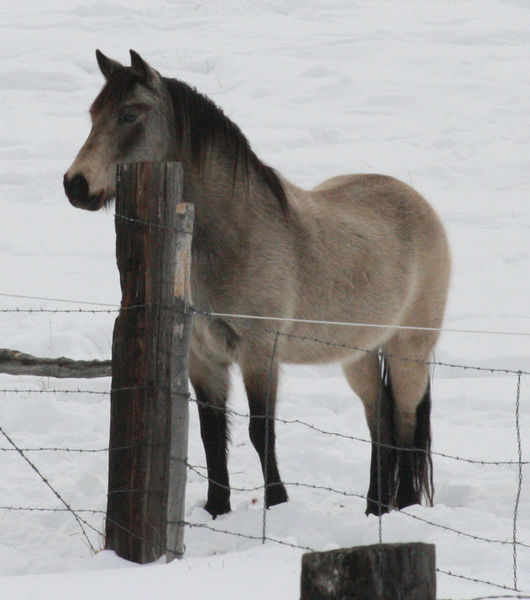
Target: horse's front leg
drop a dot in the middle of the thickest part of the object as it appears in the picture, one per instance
(260, 375)
(210, 381)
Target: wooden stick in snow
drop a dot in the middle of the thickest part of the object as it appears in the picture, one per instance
(13, 362)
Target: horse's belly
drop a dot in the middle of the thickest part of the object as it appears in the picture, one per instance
(333, 343)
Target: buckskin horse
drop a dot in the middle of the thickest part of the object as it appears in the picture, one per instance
(365, 249)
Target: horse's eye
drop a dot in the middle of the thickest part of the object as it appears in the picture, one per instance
(127, 118)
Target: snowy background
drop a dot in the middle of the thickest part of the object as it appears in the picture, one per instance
(434, 93)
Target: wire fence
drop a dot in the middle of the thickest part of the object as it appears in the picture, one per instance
(79, 513)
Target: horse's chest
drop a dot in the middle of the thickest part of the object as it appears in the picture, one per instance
(214, 339)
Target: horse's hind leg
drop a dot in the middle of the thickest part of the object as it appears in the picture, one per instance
(409, 380)
(364, 377)
(260, 376)
(210, 382)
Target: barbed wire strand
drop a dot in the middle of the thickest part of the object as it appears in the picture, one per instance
(90, 311)
(51, 509)
(256, 538)
(115, 307)
(210, 528)
(93, 311)
(309, 549)
(360, 324)
(152, 225)
(517, 597)
(508, 542)
(246, 535)
(48, 484)
(241, 535)
(431, 363)
(283, 421)
(474, 580)
(44, 299)
(235, 413)
(328, 343)
(74, 390)
(364, 350)
(79, 450)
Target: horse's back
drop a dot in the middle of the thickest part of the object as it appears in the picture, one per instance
(380, 208)
(371, 250)
(378, 197)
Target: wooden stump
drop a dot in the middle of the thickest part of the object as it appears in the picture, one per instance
(378, 572)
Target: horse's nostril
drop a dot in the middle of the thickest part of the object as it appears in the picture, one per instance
(76, 188)
(79, 187)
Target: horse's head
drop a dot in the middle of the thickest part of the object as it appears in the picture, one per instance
(132, 120)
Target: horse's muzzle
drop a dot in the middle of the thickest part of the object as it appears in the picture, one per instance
(76, 190)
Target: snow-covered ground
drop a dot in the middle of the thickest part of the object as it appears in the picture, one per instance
(434, 93)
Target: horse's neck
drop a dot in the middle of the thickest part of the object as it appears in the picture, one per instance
(228, 203)
(233, 221)
(210, 190)
(222, 229)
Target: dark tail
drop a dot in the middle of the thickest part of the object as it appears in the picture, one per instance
(399, 477)
(422, 463)
(414, 472)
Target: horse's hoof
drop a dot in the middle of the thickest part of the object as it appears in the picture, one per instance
(217, 508)
(407, 497)
(276, 494)
(375, 508)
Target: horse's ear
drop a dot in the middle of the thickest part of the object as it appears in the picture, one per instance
(106, 65)
(146, 74)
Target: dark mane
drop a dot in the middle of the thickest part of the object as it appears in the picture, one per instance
(207, 125)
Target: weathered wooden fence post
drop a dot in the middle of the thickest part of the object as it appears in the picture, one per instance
(378, 572)
(149, 397)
